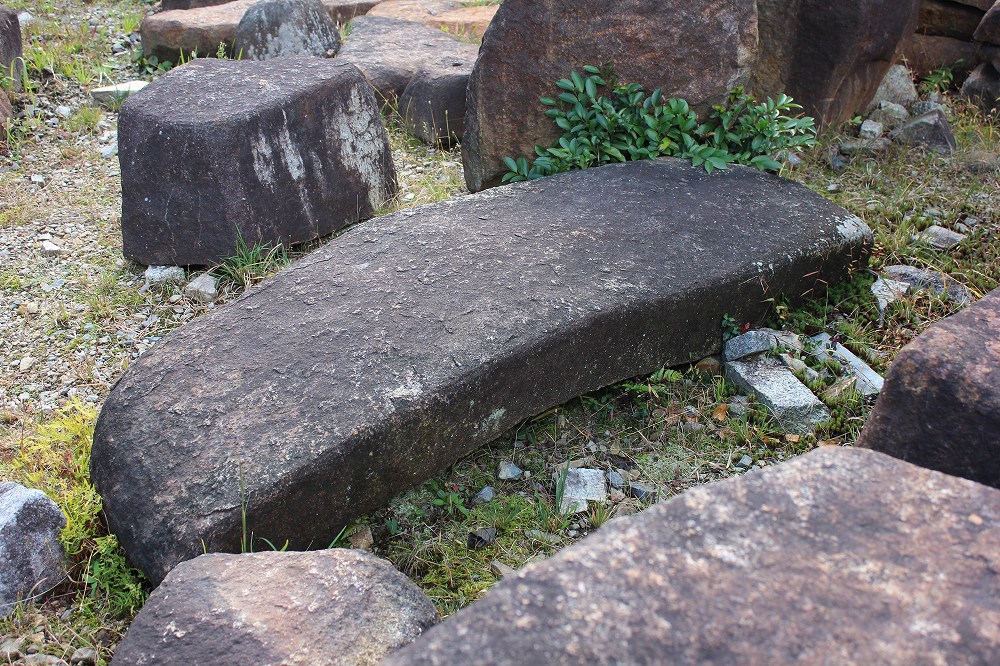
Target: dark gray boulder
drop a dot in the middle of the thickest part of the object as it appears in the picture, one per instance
(11, 62)
(983, 87)
(390, 52)
(988, 29)
(929, 129)
(280, 151)
(382, 358)
(842, 556)
(339, 606)
(273, 28)
(694, 50)
(433, 103)
(940, 406)
(31, 557)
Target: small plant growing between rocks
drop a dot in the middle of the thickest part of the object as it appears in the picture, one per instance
(605, 121)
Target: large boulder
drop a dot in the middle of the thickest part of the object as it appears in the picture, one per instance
(948, 19)
(391, 52)
(11, 49)
(273, 28)
(452, 16)
(829, 56)
(840, 557)
(382, 358)
(924, 54)
(989, 28)
(339, 606)
(940, 406)
(983, 87)
(31, 557)
(433, 103)
(222, 152)
(695, 50)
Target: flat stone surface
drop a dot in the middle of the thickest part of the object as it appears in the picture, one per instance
(380, 359)
(759, 340)
(31, 557)
(433, 102)
(829, 56)
(168, 33)
(926, 279)
(870, 129)
(695, 50)
(221, 151)
(940, 407)
(888, 291)
(840, 556)
(940, 238)
(335, 606)
(889, 114)
(274, 28)
(789, 400)
(868, 382)
(452, 16)
(929, 129)
(116, 93)
(582, 485)
(391, 52)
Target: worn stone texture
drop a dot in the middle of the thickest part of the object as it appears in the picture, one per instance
(378, 360)
(789, 401)
(391, 52)
(929, 129)
(11, 49)
(983, 87)
(948, 19)
(841, 556)
(6, 110)
(273, 28)
(280, 151)
(698, 51)
(337, 606)
(31, 557)
(988, 29)
(940, 406)
(433, 102)
(924, 54)
(452, 16)
(829, 56)
(168, 33)
(168, 5)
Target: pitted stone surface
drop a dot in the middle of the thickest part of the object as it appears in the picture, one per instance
(433, 103)
(280, 151)
(940, 406)
(391, 52)
(695, 50)
(337, 606)
(385, 356)
(843, 556)
(274, 28)
(31, 557)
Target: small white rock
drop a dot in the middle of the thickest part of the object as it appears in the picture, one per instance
(204, 288)
(870, 129)
(158, 276)
(25, 364)
(117, 92)
(64, 111)
(50, 249)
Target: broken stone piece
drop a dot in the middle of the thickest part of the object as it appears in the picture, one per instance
(109, 95)
(789, 400)
(204, 288)
(162, 276)
(930, 129)
(31, 556)
(582, 486)
(936, 282)
(870, 129)
(888, 291)
(759, 340)
(940, 238)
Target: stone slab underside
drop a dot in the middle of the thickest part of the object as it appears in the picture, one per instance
(843, 556)
(412, 339)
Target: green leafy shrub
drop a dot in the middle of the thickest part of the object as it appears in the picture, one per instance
(604, 122)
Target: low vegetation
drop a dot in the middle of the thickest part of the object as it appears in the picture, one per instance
(670, 431)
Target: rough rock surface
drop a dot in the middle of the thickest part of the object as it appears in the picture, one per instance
(989, 28)
(190, 4)
(865, 559)
(31, 557)
(896, 87)
(694, 50)
(948, 19)
(940, 406)
(829, 56)
(789, 401)
(10, 44)
(391, 52)
(924, 54)
(380, 359)
(334, 606)
(280, 151)
(983, 87)
(433, 103)
(6, 111)
(168, 33)
(273, 28)
(452, 16)
(929, 129)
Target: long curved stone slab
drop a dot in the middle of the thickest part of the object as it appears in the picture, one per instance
(380, 359)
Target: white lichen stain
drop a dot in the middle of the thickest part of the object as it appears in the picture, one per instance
(361, 145)
(262, 160)
(851, 228)
(492, 422)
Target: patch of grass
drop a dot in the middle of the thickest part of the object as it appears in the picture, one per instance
(252, 264)
(84, 120)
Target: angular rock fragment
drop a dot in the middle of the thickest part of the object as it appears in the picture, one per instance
(829, 56)
(897, 87)
(759, 340)
(865, 559)
(380, 359)
(940, 238)
(698, 51)
(923, 279)
(204, 288)
(887, 292)
(581, 486)
(391, 52)
(334, 606)
(940, 407)
(31, 557)
(118, 93)
(790, 401)
(930, 129)
(219, 152)
(273, 28)
(868, 382)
